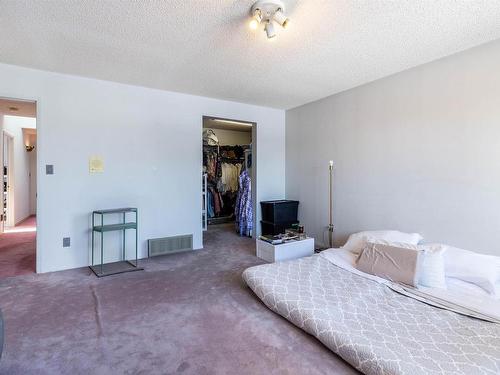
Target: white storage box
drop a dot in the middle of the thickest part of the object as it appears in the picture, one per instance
(285, 251)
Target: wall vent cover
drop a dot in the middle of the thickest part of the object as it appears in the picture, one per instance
(170, 245)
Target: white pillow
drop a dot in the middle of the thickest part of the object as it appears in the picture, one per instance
(479, 269)
(431, 271)
(357, 241)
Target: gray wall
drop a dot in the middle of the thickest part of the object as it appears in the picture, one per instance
(416, 151)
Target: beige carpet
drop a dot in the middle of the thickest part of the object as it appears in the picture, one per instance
(187, 313)
(17, 249)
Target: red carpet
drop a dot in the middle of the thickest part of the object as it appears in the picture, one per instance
(17, 249)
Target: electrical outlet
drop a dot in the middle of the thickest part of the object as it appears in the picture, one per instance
(49, 169)
(66, 242)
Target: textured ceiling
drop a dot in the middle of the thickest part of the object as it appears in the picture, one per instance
(205, 47)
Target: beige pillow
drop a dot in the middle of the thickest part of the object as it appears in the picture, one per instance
(357, 241)
(395, 262)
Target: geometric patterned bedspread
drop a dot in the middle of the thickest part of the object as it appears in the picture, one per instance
(375, 329)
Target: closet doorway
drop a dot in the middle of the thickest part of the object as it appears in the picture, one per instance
(228, 177)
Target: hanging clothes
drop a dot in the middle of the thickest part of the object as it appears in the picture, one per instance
(210, 204)
(209, 138)
(243, 210)
(211, 165)
(223, 165)
(228, 181)
(216, 200)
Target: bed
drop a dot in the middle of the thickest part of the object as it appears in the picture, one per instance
(373, 327)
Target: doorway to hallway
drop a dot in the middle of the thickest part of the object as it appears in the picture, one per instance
(18, 249)
(18, 159)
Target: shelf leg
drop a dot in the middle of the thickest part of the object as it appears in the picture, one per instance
(92, 247)
(123, 244)
(136, 236)
(102, 250)
(102, 242)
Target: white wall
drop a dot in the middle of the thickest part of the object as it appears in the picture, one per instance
(417, 151)
(151, 145)
(21, 179)
(232, 137)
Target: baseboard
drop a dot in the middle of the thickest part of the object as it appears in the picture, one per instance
(20, 221)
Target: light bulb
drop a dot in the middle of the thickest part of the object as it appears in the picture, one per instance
(254, 24)
(270, 30)
(281, 18)
(258, 16)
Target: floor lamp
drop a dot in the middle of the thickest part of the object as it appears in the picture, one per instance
(330, 224)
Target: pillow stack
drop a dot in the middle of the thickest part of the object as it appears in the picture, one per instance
(432, 267)
(406, 263)
(357, 241)
(397, 262)
(397, 256)
(479, 269)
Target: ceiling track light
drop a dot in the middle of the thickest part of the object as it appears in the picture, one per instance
(269, 28)
(266, 12)
(280, 17)
(256, 20)
(258, 16)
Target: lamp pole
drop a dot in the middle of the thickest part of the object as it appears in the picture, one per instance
(330, 224)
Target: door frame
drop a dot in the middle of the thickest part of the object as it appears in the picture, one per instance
(39, 145)
(254, 165)
(8, 142)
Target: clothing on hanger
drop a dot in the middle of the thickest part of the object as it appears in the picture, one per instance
(243, 208)
(223, 166)
(216, 199)
(228, 181)
(210, 204)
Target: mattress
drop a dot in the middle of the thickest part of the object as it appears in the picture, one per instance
(372, 327)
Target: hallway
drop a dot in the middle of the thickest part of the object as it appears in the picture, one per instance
(18, 249)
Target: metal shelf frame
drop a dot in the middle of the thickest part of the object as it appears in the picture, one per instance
(125, 265)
